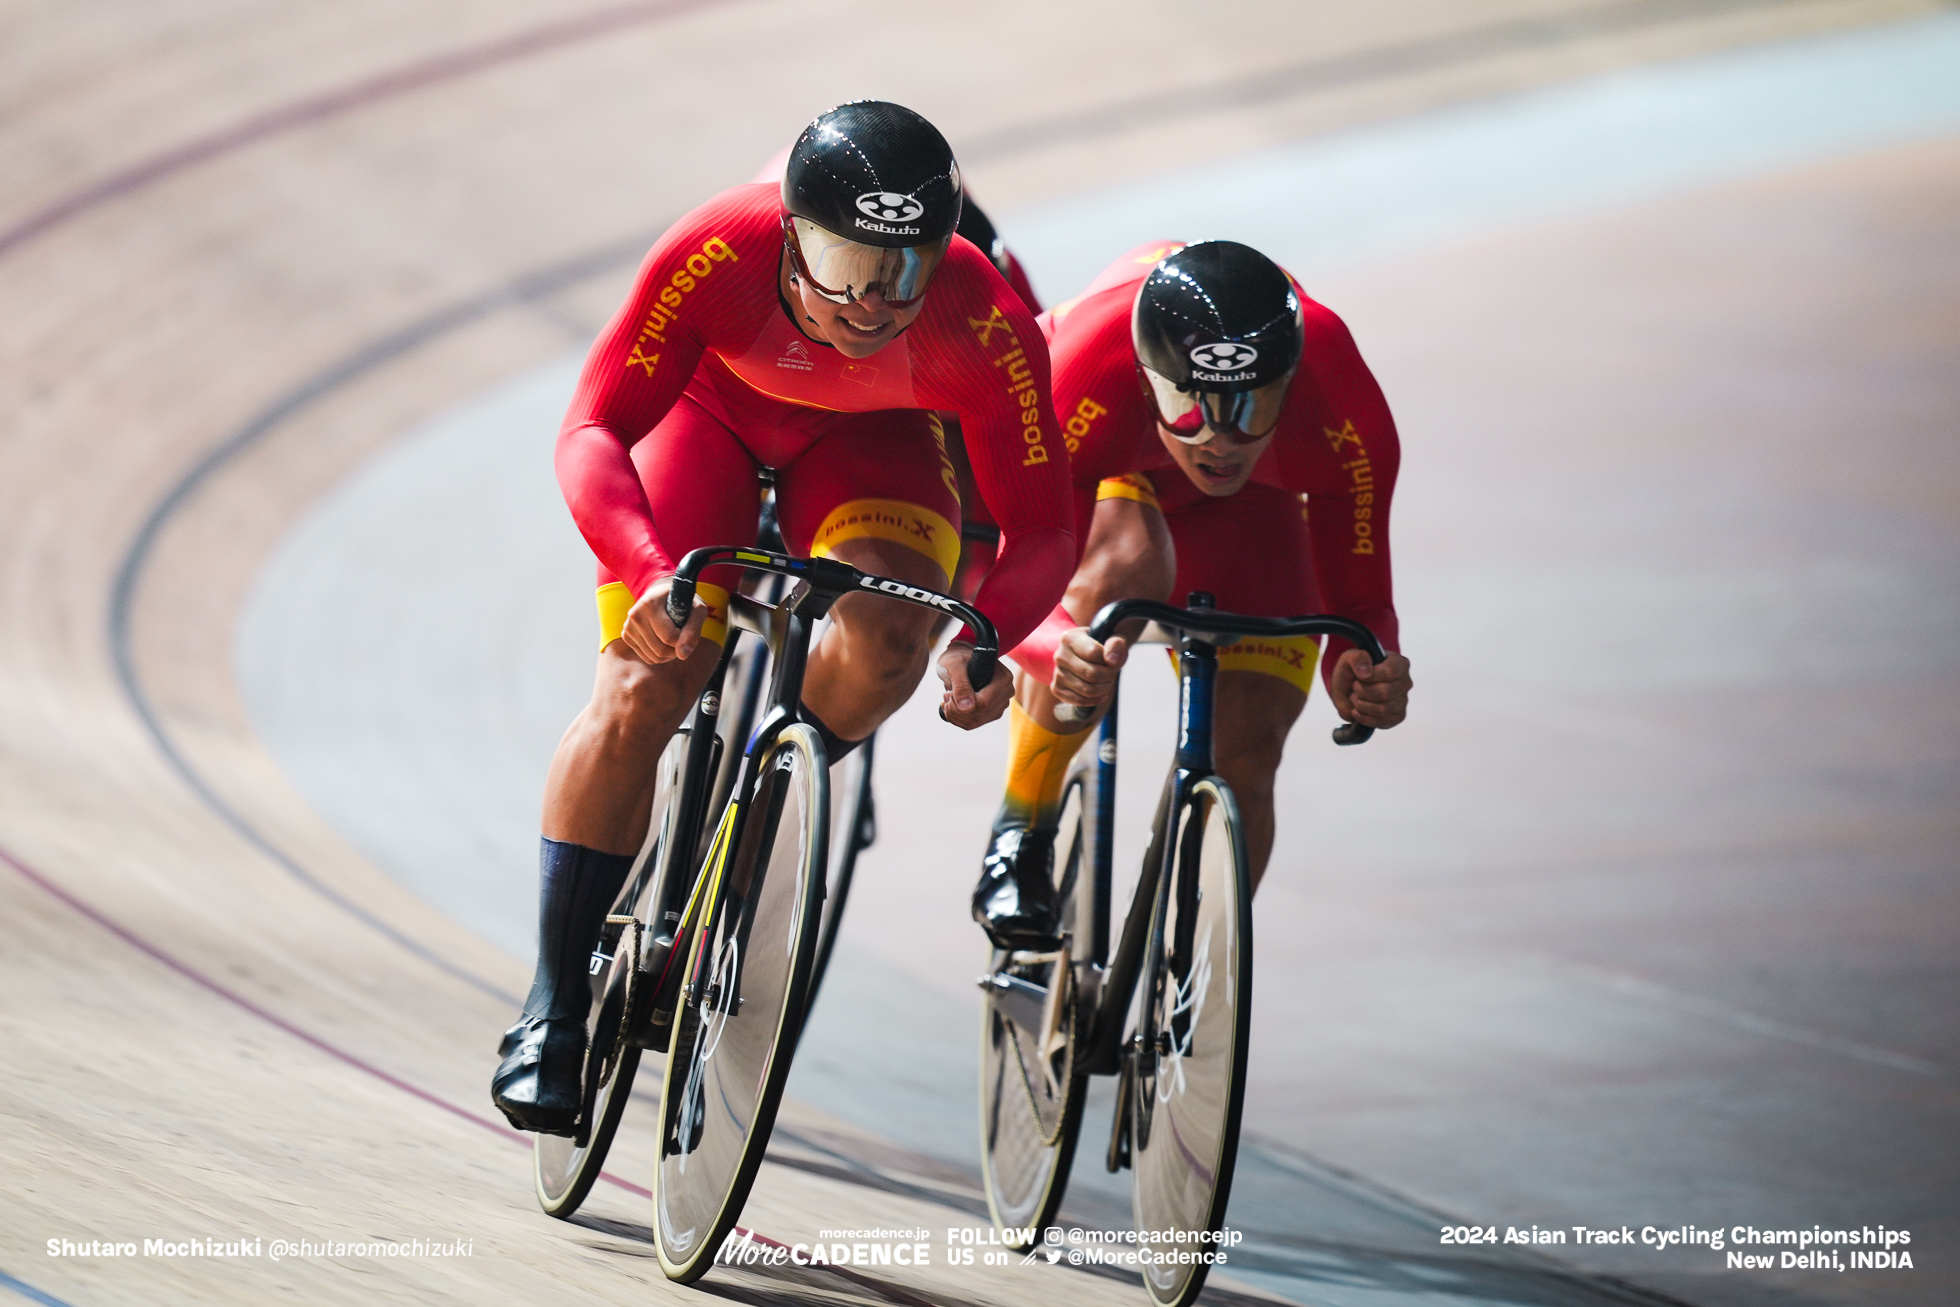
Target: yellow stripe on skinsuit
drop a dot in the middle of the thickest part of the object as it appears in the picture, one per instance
(615, 601)
(1293, 659)
(918, 529)
(1131, 485)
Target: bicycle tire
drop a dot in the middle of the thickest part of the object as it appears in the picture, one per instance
(1031, 1097)
(853, 827)
(735, 1031)
(1196, 1012)
(564, 1169)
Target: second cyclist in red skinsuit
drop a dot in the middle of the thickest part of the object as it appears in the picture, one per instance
(816, 328)
(1331, 465)
(1225, 436)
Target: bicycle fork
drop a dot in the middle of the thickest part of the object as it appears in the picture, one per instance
(1144, 954)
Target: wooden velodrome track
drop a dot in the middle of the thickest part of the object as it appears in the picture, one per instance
(221, 1021)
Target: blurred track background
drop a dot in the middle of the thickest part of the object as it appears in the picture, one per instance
(1647, 916)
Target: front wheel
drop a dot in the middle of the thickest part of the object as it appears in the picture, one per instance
(748, 977)
(1030, 1093)
(1189, 1057)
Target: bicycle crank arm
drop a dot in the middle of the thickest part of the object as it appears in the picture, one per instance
(1020, 1001)
(662, 982)
(1042, 1010)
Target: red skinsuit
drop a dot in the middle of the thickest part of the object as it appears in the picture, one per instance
(1336, 445)
(705, 318)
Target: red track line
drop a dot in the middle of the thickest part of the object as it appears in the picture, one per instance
(329, 104)
(197, 977)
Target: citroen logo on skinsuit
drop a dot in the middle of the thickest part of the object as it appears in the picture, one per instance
(1224, 356)
(889, 206)
(795, 357)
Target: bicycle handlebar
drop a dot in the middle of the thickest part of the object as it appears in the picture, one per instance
(833, 579)
(1209, 621)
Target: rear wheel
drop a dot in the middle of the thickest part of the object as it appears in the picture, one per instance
(1030, 1095)
(566, 1168)
(1189, 1060)
(748, 988)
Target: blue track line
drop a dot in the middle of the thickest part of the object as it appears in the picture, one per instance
(29, 1292)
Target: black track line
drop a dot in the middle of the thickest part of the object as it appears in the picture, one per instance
(360, 363)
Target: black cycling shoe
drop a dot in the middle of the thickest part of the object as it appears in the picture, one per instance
(1015, 899)
(538, 1084)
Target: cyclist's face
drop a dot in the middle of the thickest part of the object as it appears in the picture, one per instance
(1221, 465)
(859, 329)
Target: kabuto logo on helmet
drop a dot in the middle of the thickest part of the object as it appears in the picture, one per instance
(1224, 356)
(889, 206)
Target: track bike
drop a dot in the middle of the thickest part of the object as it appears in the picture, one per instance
(1170, 1013)
(565, 1167)
(715, 962)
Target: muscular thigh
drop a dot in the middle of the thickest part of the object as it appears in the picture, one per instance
(1253, 712)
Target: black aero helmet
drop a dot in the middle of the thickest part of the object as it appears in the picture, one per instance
(871, 198)
(1218, 331)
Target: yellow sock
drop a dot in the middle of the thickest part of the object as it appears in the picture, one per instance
(1037, 764)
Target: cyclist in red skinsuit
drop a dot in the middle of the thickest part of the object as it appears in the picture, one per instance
(730, 356)
(978, 534)
(1293, 521)
(814, 328)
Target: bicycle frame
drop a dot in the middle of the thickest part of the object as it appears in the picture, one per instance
(1107, 987)
(690, 884)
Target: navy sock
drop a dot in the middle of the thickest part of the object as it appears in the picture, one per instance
(835, 746)
(576, 889)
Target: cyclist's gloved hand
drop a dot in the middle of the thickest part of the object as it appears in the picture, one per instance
(961, 705)
(1085, 672)
(651, 634)
(1373, 694)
